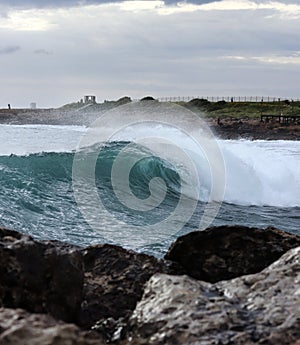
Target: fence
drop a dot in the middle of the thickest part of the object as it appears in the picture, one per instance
(227, 99)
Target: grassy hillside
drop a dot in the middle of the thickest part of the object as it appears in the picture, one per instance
(219, 109)
(242, 109)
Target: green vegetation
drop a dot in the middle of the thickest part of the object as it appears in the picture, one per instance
(221, 109)
(242, 109)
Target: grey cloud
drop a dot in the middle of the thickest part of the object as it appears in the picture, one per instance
(49, 3)
(3, 14)
(198, 2)
(287, 2)
(9, 49)
(43, 52)
(69, 3)
(164, 56)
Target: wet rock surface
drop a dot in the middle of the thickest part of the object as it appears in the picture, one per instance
(82, 286)
(114, 281)
(256, 309)
(41, 277)
(18, 327)
(102, 287)
(226, 252)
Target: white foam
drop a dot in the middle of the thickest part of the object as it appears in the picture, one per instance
(257, 172)
(262, 172)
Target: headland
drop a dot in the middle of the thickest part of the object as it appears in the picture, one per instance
(274, 120)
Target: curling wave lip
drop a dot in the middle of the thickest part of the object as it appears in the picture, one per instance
(111, 125)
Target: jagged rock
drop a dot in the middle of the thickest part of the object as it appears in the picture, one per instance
(114, 281)
(83, 286)
(18, 327)
(41, 277)
(227, 252)
(102, 284)
(263, 308)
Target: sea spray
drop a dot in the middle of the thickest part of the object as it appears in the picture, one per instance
(36, 196)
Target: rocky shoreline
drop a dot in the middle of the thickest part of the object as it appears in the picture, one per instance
(224, 285)
(244, 128)
(225, 128)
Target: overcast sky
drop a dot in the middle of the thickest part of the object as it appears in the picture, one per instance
(53, 52)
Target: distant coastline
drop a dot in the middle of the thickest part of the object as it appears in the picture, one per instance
(228, 120)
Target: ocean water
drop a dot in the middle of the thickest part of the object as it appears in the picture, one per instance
(38, 194)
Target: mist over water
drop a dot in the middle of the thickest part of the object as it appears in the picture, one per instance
(36, 196)
(22, 140)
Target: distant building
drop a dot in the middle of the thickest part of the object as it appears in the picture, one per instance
(33, 105)
(89, 99)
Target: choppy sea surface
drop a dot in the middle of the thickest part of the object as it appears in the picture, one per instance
(37, 188)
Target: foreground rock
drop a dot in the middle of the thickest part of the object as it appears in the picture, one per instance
(114, 281)
(18, 327)
(82, 286)
(227, 252)
(256, 309)
(99, 287)
(40, 277)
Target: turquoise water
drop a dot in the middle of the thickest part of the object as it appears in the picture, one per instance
(37, 192)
